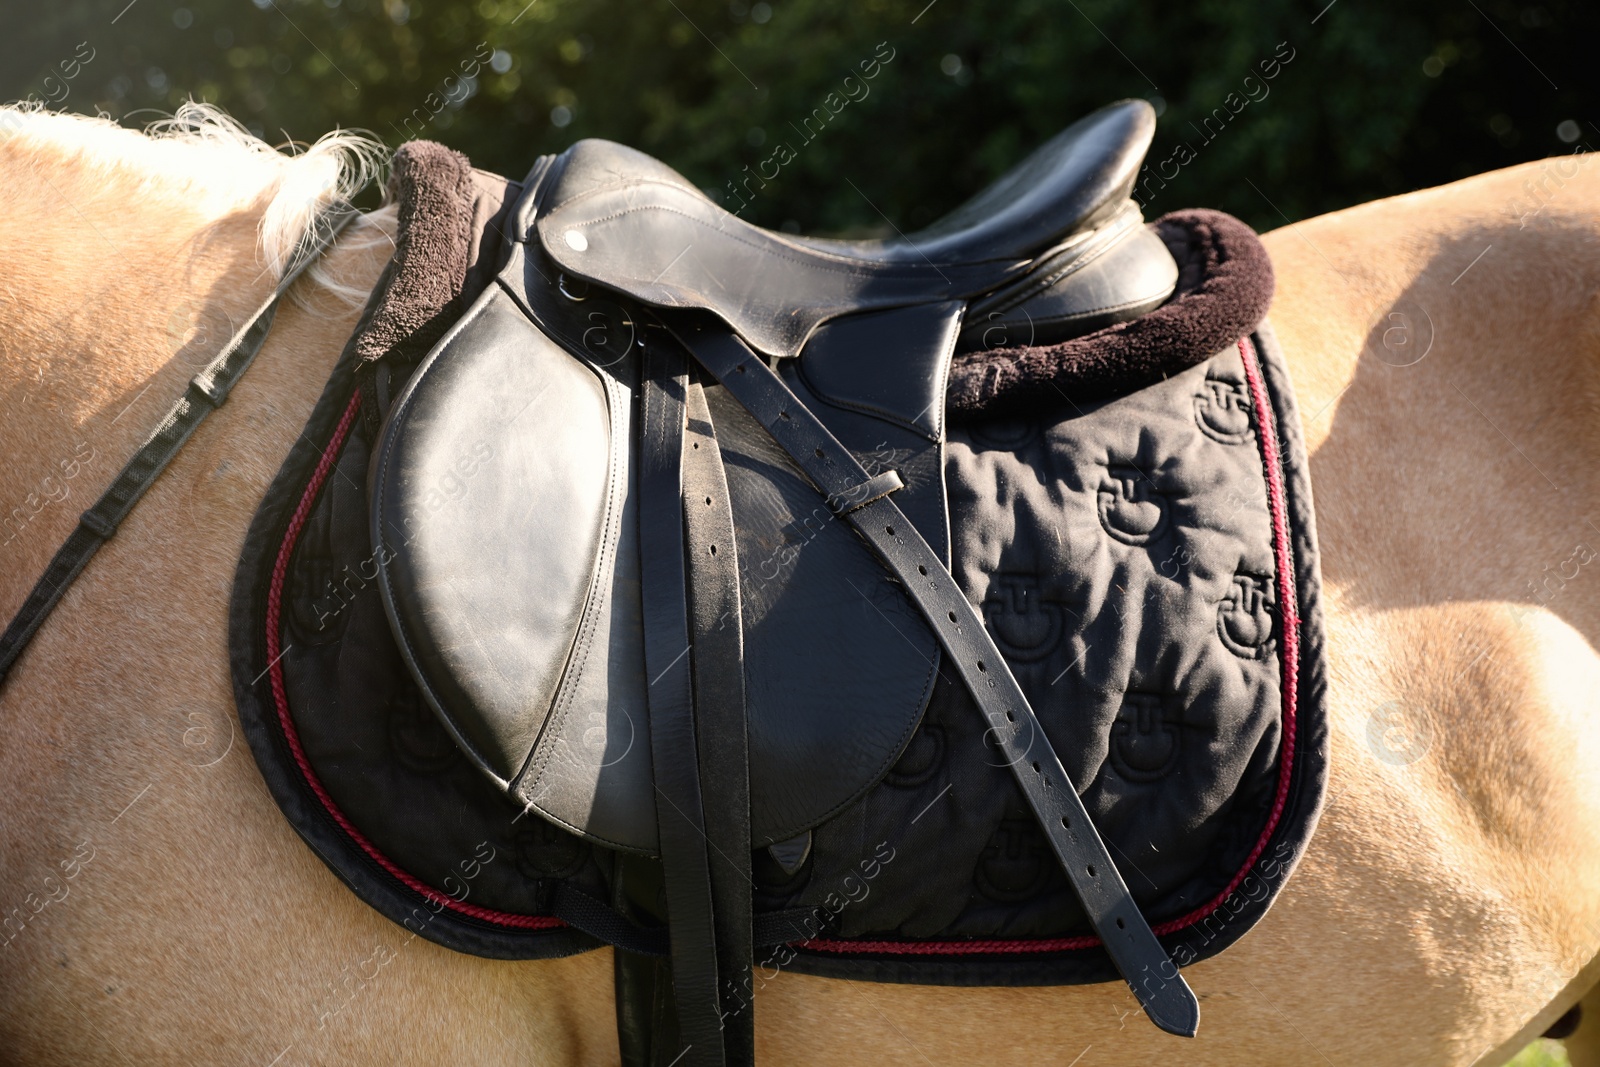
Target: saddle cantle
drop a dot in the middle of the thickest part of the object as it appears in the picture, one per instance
(655, 593)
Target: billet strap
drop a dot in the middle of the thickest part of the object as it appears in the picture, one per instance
(721, 720)
(836, 473)
(680, 811)
(206, 392)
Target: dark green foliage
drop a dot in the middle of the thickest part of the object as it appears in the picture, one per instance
(1366, 101)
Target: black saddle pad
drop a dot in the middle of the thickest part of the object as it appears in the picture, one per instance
(1144, 553)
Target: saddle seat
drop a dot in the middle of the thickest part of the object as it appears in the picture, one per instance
(1057, 231)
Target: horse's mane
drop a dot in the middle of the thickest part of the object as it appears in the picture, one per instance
(201, 153)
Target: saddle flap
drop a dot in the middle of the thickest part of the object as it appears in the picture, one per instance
(893, 365)
(452, 492)
(839, 665)
(514, 590)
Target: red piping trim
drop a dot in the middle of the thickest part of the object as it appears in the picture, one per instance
(286, 723)
(1289, 671)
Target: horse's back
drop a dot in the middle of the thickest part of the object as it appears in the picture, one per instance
(159, 909)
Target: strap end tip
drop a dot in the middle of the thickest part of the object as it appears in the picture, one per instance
(1174, 1009)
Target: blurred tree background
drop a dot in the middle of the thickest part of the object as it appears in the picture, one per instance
(1364, 100)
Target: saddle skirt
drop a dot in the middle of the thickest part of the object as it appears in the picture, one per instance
(439, 619)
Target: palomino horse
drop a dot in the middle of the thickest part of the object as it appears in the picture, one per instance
(155, 907)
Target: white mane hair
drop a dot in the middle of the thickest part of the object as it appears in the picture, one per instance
(210, 160)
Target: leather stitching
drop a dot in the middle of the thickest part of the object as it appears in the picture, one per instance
(578, 656)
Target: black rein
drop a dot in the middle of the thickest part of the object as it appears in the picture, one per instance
(206, 392)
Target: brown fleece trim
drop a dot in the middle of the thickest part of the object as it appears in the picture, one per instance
(1225, 284)
(419, 293)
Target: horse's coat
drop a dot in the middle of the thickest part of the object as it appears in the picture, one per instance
(155, 909)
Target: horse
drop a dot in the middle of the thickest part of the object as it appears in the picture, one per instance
(157, 908)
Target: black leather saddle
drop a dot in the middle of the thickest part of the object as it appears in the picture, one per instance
(663, 536)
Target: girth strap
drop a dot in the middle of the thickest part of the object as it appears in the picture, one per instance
(720, 719)
(665, 601)
(1133, 947)
(694, 663)
(205, 393)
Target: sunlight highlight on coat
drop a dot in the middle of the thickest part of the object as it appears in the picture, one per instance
(210, 164)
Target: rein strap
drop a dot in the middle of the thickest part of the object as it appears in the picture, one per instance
(205, 393)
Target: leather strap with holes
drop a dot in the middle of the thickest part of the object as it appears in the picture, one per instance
(867, 504)
(720, 719)
(680, 807)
